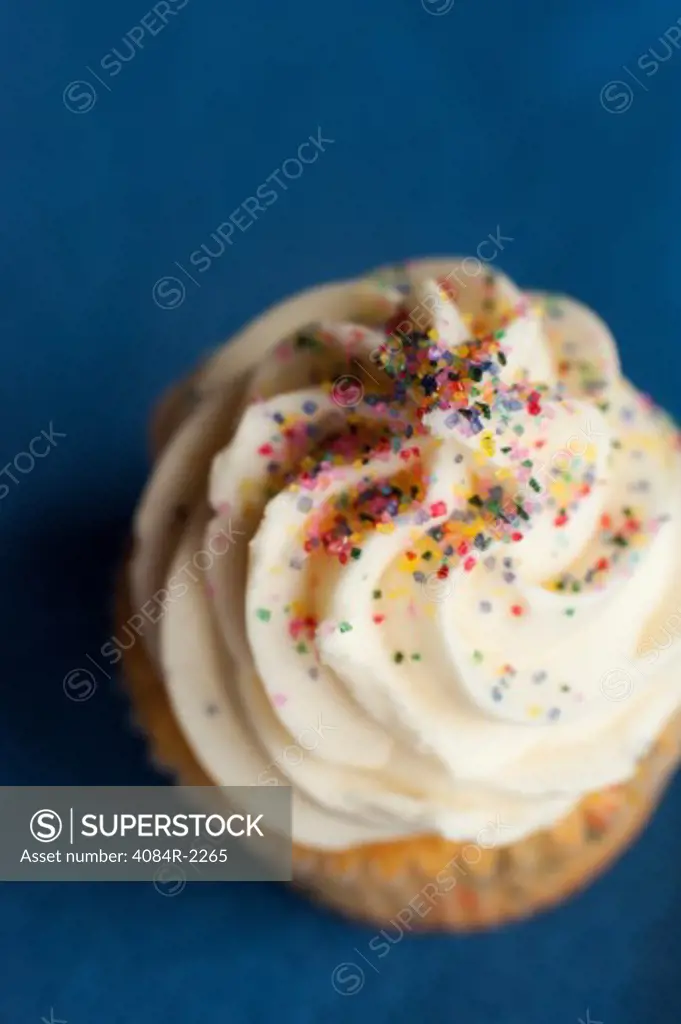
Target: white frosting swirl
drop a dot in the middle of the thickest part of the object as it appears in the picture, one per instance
(424, 548)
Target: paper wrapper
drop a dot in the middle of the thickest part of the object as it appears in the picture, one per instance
(427, 882)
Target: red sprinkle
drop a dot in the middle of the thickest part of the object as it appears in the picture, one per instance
(399, 319)
(438, 508)
(516, 610)
(469, 564)
(533, 406)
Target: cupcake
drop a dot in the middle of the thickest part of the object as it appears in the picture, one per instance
(413, 546)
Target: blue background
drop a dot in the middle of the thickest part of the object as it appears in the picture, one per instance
(444, 128)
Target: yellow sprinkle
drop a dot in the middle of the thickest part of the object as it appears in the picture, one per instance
(487, 443)
(534, 711)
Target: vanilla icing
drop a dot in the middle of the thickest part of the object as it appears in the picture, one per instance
(414, 538)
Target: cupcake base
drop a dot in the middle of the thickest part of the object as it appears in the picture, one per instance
(426, 882)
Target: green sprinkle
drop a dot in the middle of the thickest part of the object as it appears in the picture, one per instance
(478, 656)
(377, 594)
(570, 611)
(302, 648)
(416, 657)
(307, 341)
(355, 553)
(398, 657)
(345, 627)
(264, 614)
(534, 484)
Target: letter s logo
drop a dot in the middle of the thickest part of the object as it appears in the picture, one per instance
(45, 826)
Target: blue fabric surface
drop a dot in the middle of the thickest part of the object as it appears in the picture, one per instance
(445, 127)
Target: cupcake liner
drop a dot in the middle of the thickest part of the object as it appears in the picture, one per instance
(426, 882)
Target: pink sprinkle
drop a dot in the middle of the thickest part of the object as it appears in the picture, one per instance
(279, 699)
(284, 352)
